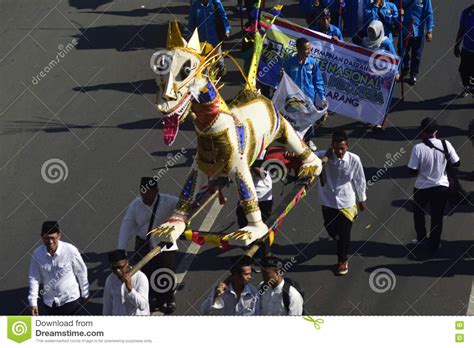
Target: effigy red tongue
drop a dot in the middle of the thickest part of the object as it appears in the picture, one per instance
(171, 127)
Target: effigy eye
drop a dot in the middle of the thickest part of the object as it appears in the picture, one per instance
(186, 69)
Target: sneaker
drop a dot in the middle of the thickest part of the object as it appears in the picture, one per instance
(312, 146)
(412, 80)
(466, 92)
(342, 268)
(170, 308)
(420, 244)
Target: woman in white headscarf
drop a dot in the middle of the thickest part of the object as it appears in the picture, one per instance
(376, 39)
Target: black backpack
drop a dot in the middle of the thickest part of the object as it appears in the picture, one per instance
(286, 292)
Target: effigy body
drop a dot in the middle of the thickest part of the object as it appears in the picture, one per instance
(229, 137)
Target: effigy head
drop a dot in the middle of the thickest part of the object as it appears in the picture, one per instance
(179, 81)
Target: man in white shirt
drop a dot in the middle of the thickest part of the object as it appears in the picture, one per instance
(235, 296)
(146, 212)
(341, 190)
(428, 162)
(278, 295)
(59, 267)
(125, 294)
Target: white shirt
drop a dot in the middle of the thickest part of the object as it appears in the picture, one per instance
(263, 187)
(431, 164)
(228, 304)
(62, 275)
(345, 181)
(119, 301)
(271, 301)
(137, 219)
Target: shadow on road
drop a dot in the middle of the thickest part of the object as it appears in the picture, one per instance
(88, 4)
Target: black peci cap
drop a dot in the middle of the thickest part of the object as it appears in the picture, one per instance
(147, 183)
(272, 261)
(117, 255)
(49, 227)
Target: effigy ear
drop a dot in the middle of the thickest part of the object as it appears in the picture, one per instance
(175, 39)
(194, 43)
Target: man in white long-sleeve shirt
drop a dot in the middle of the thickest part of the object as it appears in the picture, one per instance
(146, 212)
(59, 267)
(125, 294)
(234, 296)
(278, 295)
(341, 191)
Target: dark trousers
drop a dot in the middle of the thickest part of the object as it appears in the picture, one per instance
(466, 68)
(265, 209)
(166, 259)
(412, 57)
(436, 197)
(339, 228)
(70, 308)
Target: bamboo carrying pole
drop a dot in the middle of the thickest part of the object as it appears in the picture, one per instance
(156, 250)
(258, 243)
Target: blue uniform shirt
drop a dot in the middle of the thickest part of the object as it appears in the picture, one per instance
(307, 76)
(420, 13)
(307, 6)
(467, 23)
(203, 17)
(387, 14)
(387, 45)
(333, 30)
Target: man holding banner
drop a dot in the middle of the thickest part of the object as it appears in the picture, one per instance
(304, 71)
(358, 81)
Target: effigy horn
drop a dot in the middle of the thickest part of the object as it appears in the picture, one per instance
(175, 39)
(193, 42)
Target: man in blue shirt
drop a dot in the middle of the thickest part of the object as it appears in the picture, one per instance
(417, 14)
(324, 26)
(204, 15)
(304, 71)
(313, 9)
(383, 11)
(466, 35)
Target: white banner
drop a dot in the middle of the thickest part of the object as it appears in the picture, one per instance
(294, 105)
(358, 81)
(229, 332)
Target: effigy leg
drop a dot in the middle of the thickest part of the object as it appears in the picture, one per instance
(255, 228)
(311, 163)
(171, 230)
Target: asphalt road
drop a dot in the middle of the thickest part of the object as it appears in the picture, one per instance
(93, 111)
